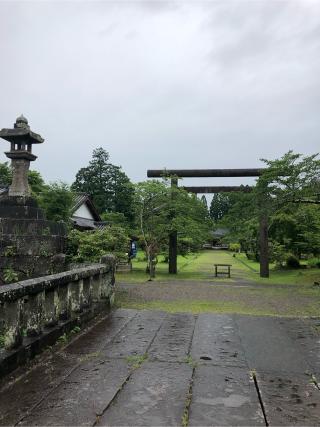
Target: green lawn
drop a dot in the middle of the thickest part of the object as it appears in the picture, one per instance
(199, 266)
(195, 289)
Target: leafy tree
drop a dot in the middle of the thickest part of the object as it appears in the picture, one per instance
(117, 219)
(204, 201)
(107, 184)
(219, 206)
(152, 201)
(89, 246)
(291, 179)
(56, 199)
(288, 192)
(5, 174)
(161, 210)
(36, 182)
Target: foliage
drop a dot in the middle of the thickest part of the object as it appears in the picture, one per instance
(278, 254)
(89, 246)
(204, 201)
(314, 262)
(161, 210)
(234, 247)
(56, 199)
(135, 361)
(10, 275)
(36, 182)
(108, 185)
(219, 206)
(116, 218)
(292, 261)
(290, 179)
(288, 192)
(5, 174)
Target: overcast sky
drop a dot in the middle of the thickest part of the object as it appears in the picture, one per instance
(215, 84)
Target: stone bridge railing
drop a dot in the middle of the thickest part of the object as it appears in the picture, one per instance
(33, 307)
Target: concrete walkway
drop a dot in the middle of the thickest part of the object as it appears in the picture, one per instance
(148, 368)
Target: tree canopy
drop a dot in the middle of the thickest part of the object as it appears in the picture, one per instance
(161, 209)
(219, 206)
(288, 191)
(109, 187)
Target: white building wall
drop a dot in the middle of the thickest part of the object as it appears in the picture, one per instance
(83, 212)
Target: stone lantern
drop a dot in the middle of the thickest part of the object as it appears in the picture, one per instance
(30, 245)
(22, 139)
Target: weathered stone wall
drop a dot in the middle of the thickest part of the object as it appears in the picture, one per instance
(29, 244)
(39, 307)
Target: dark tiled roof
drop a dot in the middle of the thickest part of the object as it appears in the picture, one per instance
(81, 199)
(88, 224)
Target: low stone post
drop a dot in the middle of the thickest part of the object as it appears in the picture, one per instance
(64, 298)
(11, 320)
(76, 290)
(34, 313)
(86, 294)
(51, 307)
(108, 278)
(96, 287)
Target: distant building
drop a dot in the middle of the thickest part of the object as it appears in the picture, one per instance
(84, 214)
(216, 241)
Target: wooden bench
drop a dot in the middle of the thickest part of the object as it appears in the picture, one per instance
(123, 266)
(227, 272)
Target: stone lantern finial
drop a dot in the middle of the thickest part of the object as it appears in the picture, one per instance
(21, 139)
(21, 122)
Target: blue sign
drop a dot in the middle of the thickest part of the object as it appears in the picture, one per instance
(133, 249)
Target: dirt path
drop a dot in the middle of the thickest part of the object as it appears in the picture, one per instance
(197, 297)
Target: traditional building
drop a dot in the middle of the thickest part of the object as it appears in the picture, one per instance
(84, 214)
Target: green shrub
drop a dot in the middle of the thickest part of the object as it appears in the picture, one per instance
(314, 262)
(278, 254)
(234, 247)
(292, 261)
(10, 275)
(89, 246)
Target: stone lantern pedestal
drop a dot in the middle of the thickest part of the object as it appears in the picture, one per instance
(30, 246)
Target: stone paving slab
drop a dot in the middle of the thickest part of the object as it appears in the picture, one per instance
(17, 399)
(223, 397)
(136, 338)
(155, 395)
(290, 400)
(101, 333)
(88, 381)
(83, 396)
(305, 334)
(268, 346)
(172, 342)
(216, 340)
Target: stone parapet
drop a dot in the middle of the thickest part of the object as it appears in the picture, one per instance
(34, 307)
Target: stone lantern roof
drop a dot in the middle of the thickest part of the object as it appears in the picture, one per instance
(21, 133)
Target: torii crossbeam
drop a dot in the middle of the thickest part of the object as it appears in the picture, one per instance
(214, 173)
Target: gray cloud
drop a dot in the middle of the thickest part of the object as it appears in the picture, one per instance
(162, 84)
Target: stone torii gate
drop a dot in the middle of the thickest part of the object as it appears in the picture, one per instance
(214, 173)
